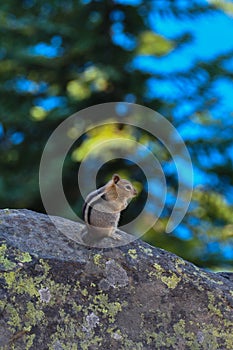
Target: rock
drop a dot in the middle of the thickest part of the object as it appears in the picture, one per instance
(58, 294)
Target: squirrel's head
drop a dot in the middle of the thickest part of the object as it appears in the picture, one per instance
(123, 187)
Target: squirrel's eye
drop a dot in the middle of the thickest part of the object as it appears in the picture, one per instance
(128, 187)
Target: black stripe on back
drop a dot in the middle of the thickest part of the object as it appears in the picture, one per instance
(83, 211)
(88, 207)
(89, 215)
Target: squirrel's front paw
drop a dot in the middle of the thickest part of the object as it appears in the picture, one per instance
(115, 236)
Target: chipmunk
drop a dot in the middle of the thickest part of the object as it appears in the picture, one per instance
(102, 208)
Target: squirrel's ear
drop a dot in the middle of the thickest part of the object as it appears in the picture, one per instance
(115, 178)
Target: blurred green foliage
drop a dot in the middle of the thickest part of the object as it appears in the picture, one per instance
(58, 57)
(225, 5)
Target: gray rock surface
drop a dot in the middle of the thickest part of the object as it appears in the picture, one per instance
(58, 294)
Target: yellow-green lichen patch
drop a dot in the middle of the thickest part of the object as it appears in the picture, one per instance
(20, 283)
(4, 261)
(205, 338)
(160, 339)
(84, 292)
(100, 305)
(170, 281)
(180, 331)
(45, 267)
(96, 259)
(133, 253)
(218, 282)
(212, 305)
(97, 309)
(94, 342)
(21, 335)
(33, 315)
(9, 278)
(115, 333)
(3, 304)
(210, 336)
(14, 317)
(158, 267)
(21, 319)
(29, 341)
(64, 336)
(24, 257)
(76, 307)
(228, 340)
(147, 251)
(93, 306)
(179, 264)
(27, 285)
(129, 344)
(22, 315)
(59, 292)
(69, 330)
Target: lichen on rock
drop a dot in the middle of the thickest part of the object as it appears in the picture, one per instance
(57, 294)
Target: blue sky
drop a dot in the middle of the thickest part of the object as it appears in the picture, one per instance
(212, 35)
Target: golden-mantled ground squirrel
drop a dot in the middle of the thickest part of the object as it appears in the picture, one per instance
(102, 208)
